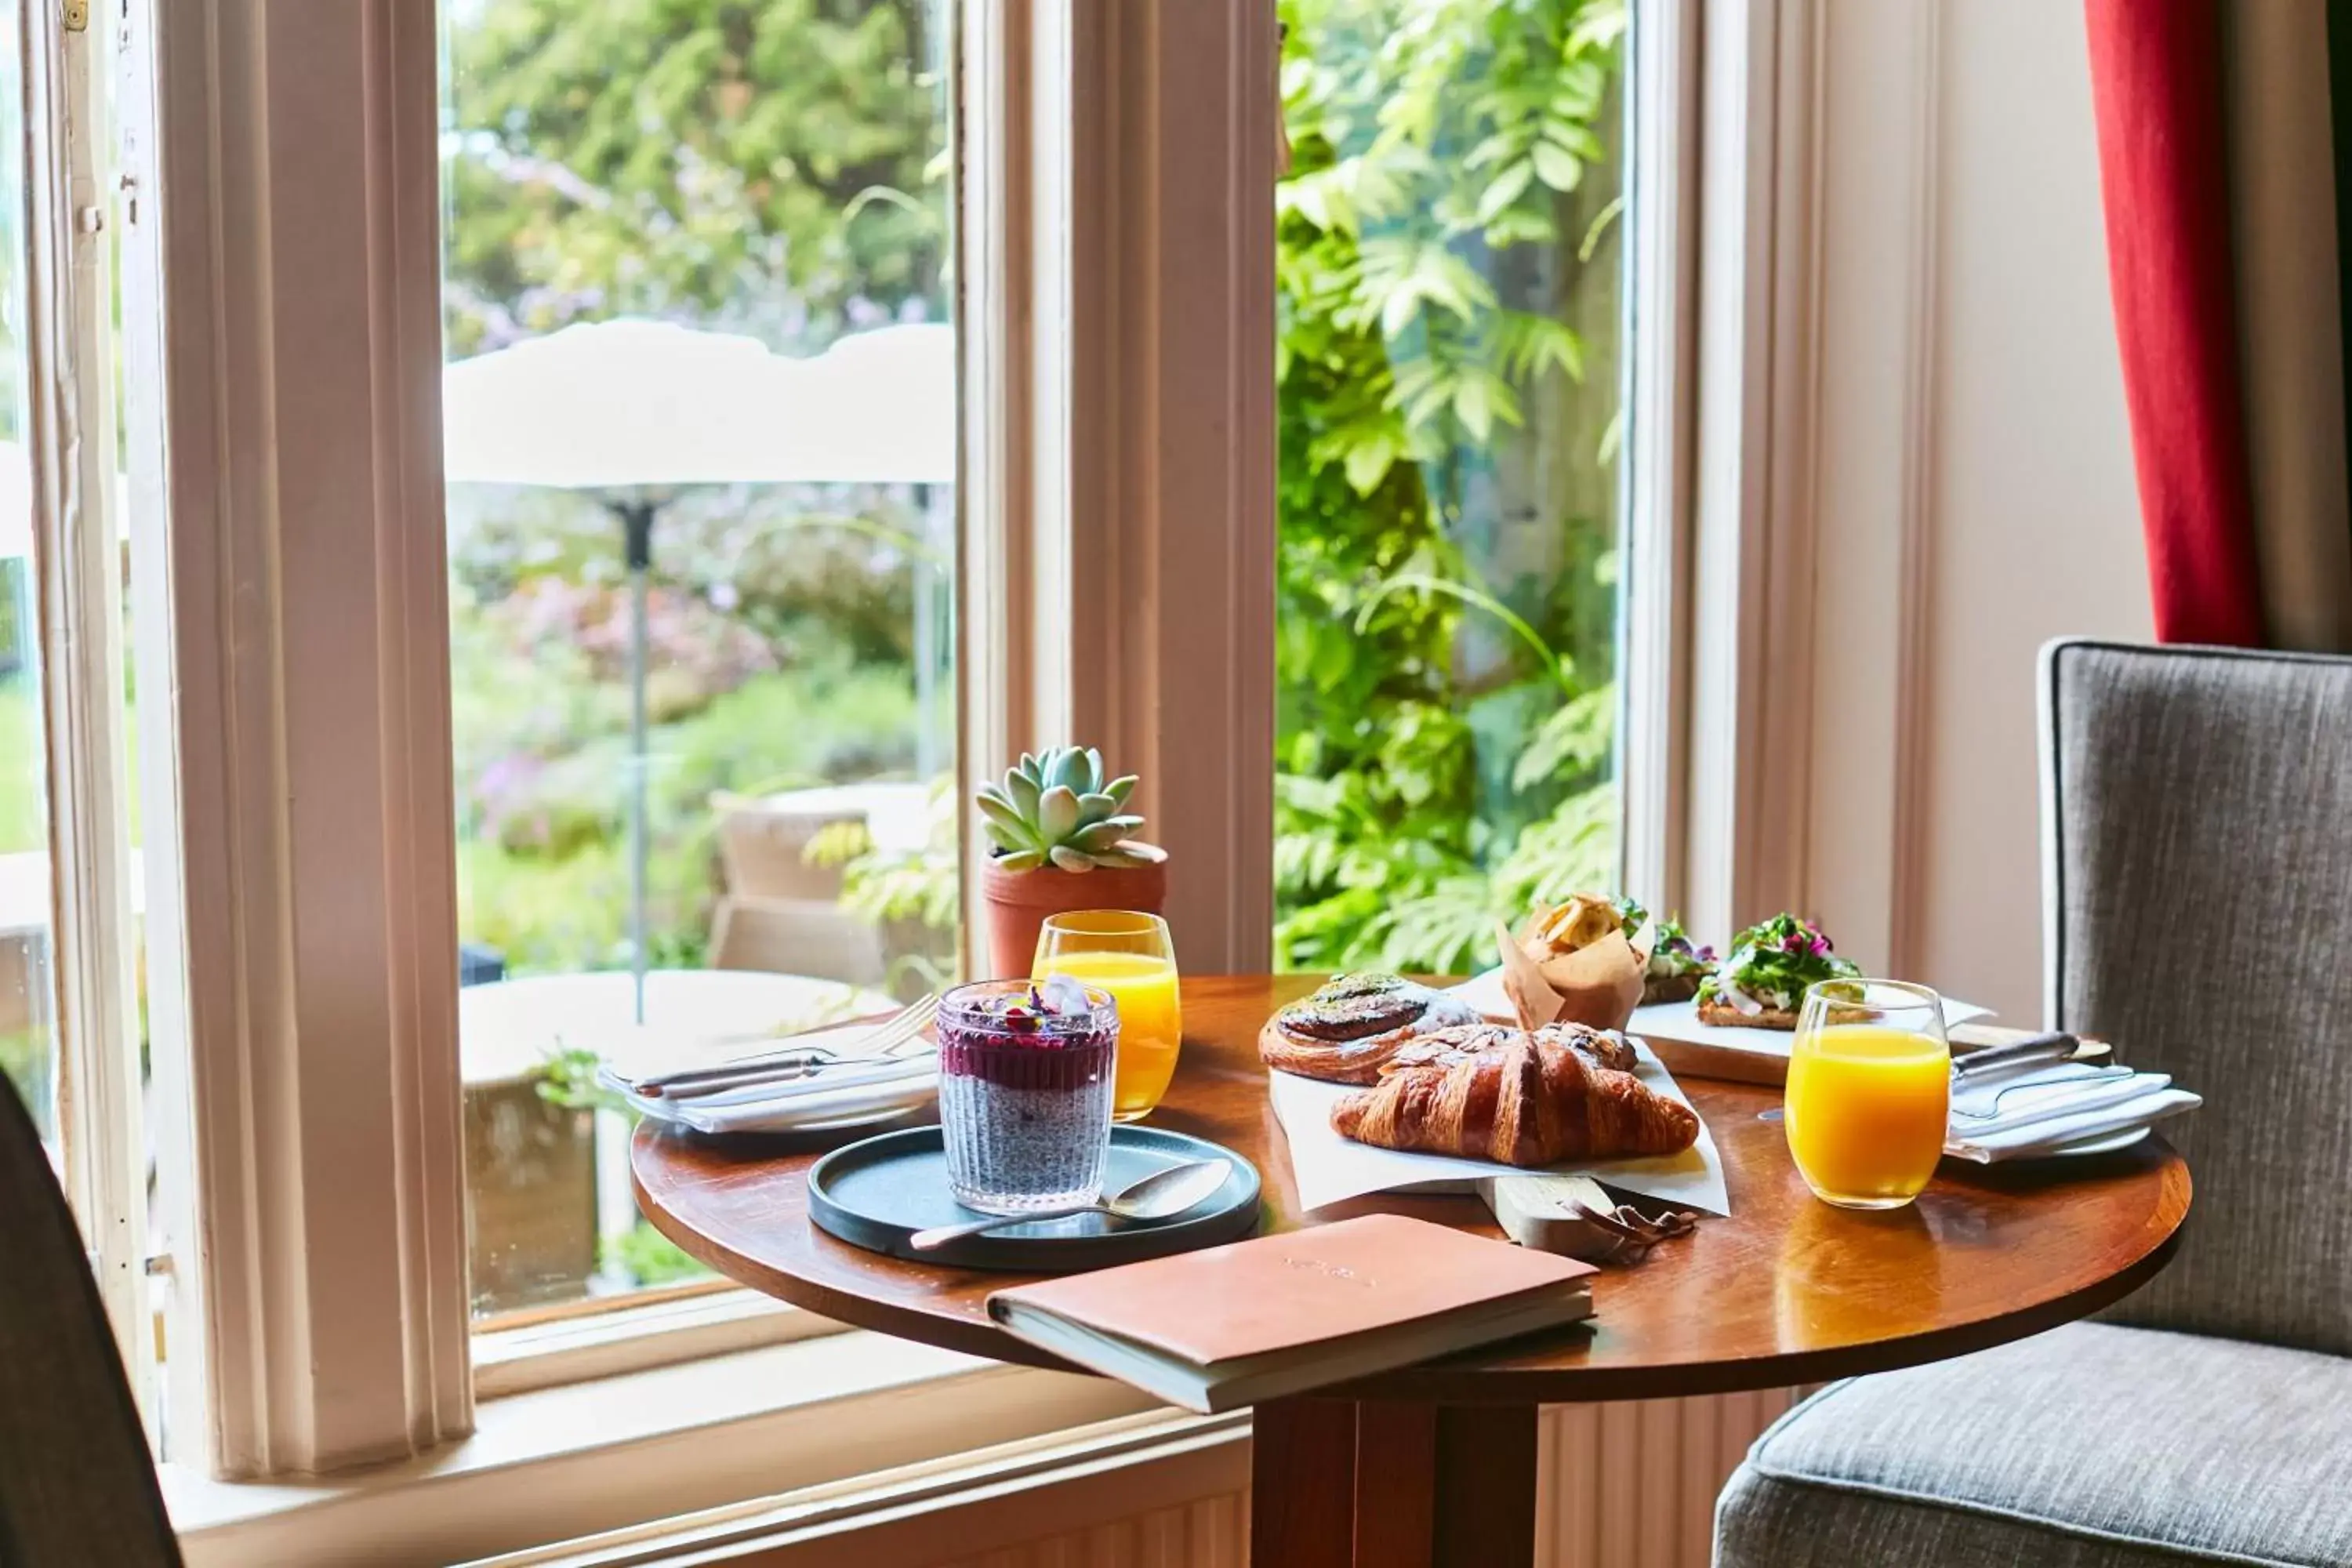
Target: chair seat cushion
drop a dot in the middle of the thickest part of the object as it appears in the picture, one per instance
(2089, 1446)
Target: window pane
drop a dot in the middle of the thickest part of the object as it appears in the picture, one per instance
(28, 1039)
(1449, 281)
(701, 412)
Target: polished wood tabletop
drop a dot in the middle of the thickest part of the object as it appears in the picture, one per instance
(1785, 1290)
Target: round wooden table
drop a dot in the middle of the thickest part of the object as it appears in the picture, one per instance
(1436, 1464)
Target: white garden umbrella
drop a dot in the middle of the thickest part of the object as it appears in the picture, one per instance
(630, 404)
(630, 410)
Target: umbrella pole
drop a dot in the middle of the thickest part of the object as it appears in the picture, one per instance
(637, 524)
(927, 638)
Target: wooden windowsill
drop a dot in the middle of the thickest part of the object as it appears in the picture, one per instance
(618, 1453)
(572, 1347)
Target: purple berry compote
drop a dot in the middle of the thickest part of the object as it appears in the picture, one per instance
(1025, 1076)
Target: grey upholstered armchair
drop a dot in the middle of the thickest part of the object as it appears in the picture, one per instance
(2197, 811)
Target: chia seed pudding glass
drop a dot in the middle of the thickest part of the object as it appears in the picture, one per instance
(1025, 1078)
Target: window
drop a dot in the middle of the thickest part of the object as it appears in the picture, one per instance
(724, 231)
(72, 1035)
(702, 433)
(1450, 278)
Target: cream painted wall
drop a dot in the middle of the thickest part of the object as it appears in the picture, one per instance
(1970, 492)
(2033, 520)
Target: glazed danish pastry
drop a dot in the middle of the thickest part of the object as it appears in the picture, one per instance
(1346, 1032)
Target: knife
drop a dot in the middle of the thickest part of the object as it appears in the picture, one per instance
(2053, 1047)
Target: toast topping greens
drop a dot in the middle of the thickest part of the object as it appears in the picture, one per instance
(1672, 954)
(1770, 965)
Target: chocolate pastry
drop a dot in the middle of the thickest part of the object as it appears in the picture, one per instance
(1345, 1032)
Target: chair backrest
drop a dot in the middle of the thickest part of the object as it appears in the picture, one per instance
(76, 1484)
(2197, 883)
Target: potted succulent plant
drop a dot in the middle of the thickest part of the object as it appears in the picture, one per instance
(1059, 832)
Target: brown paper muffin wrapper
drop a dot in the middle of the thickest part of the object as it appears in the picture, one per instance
(1598, 985)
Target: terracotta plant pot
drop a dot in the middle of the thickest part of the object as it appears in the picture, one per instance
(1019, 902)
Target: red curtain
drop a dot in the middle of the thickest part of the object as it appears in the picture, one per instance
(2156, 76)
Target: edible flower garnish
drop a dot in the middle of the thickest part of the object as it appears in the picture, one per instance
(1672, 953)
(1027, 1012)
(1771, 964)
(1062, 996)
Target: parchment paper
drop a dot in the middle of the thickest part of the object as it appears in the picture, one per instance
(1328, 1168)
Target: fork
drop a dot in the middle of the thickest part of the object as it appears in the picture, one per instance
(887, 1041)
(2112, 1073)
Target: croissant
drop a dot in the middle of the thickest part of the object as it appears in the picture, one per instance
(1525, 1103)
(1443, 1047)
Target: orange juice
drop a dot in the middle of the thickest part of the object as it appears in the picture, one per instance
(1866, 1110)
(1150, 1026)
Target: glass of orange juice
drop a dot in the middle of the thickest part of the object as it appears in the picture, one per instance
(1129, 955)
(1870, 1091)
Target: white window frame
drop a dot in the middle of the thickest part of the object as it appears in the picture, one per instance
(1804, 759)
(306, 1032)
(1750, 552)
(70, 446)
(1660, 335)
(1117, 558)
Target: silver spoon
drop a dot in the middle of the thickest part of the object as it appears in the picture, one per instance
(1163, 1195)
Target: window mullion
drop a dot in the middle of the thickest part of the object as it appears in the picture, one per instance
(295, 256)
(995, 373)
(1151, 544)
(71, 462)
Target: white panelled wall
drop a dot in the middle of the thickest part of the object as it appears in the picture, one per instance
(1633, 1485)
(1622, 1485)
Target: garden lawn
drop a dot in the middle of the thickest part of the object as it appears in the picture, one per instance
(20, 767)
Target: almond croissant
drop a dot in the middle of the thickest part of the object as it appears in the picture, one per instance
(1446, 1047)
(1524, 1102)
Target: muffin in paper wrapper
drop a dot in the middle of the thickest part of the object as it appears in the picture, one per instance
(1598, 984)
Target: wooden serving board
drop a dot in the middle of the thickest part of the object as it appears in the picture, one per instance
(1540, 1211)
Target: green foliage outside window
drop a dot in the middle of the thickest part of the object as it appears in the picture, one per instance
(1445, 735)
(767, 166)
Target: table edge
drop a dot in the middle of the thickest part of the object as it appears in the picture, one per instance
(1438, 1383)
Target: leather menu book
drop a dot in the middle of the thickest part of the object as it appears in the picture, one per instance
(1229, 1326)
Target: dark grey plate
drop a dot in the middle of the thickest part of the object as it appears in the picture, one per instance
(878, 1193)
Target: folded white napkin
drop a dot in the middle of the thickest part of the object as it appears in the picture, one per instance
(808, 1105)
(842, 1097)
(2053, 1108)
